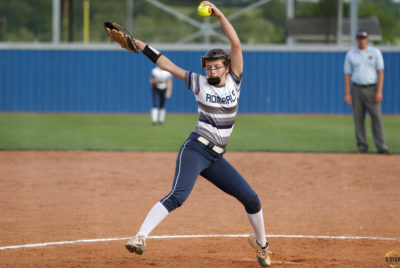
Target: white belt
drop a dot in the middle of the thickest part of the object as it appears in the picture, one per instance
(212, 146)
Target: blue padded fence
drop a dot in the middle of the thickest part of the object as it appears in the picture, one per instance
(116, 81)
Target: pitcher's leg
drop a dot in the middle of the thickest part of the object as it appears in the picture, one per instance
(157, 213)
(137, 244)
(222, 174)
(257, 223)
(189, 164)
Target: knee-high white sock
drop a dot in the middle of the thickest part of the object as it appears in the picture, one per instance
(257, 222)
(154, 217)
(162, 115)
(154, 115)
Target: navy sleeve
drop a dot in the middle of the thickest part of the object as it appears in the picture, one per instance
(235, 77)
(188, 78)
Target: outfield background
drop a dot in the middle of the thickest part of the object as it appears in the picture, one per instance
(97, 97)
(106, 79)
(127, 132)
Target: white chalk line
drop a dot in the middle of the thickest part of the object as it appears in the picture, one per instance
(197, 236)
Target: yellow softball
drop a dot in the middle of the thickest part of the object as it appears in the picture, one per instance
(204, 10)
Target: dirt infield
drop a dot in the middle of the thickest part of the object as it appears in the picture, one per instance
(321, 210)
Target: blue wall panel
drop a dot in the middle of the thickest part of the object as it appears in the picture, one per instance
(108, 81)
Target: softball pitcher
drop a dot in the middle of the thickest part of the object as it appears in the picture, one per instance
(217, 95)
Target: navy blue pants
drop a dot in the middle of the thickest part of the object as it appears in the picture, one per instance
(195, 158)
(158, 97)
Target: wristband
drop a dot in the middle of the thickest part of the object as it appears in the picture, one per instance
(152, 53)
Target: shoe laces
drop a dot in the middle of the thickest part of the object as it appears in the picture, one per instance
(139, 239)
(263, 251)
(267, 251)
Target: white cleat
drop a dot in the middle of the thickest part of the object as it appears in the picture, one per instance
(262, 252)
(136, 245)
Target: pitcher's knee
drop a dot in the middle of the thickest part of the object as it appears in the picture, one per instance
(253, 204)
(172, 202)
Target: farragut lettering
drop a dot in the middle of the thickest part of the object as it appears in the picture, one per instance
(224, 100)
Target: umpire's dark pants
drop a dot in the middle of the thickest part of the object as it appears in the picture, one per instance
(363, 99)
(195, 158)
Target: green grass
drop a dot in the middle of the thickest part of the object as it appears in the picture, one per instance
(280, 133)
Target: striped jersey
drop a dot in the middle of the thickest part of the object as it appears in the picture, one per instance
(217, 106)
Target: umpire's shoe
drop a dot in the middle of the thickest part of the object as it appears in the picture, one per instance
(136, 245)
(262, 252)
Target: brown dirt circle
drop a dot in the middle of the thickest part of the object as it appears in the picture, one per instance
(69, 196)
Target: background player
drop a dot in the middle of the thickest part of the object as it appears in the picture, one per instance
(363, 68)
(161, 89)
(217, 96)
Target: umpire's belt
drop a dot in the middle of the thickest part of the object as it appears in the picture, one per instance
(370, 85)
(212, 146)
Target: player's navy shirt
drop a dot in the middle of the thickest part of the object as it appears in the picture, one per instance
(217, 106)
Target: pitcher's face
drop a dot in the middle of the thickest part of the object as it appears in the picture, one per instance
(216, 68)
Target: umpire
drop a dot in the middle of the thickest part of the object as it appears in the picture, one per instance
(363, 68)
